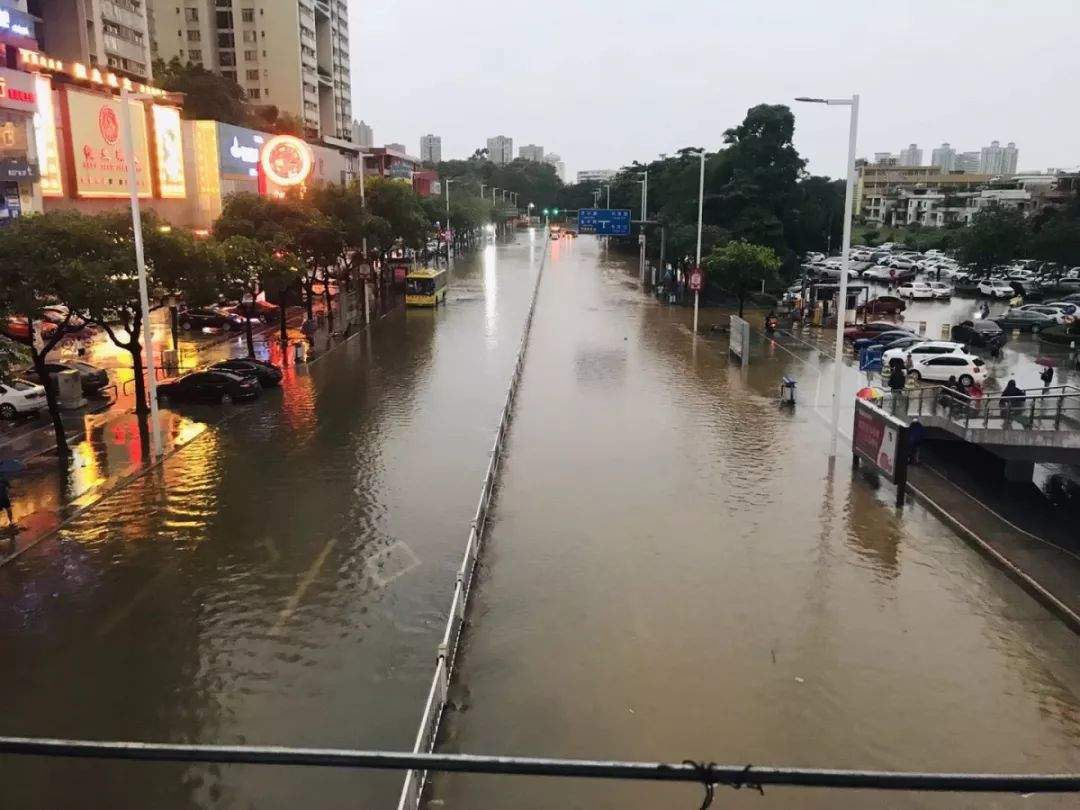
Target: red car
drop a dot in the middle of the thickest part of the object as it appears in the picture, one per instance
(868, 330)
(882, 305)
(17, 328)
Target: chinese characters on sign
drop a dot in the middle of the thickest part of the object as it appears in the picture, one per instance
(881, 440)
(100, 163)
(604, 221)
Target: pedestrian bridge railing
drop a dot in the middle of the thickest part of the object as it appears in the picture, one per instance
(1056, 408)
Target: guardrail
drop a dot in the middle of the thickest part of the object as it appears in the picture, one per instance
(1041, 409)
(446, 656)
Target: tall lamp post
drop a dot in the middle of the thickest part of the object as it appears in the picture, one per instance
(841, 309)
(608, 187)
(700, 209)
(363, 156)
(448, 181)
(140, 261)
(644, 215)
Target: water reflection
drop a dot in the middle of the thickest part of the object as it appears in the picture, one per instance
(491, 288)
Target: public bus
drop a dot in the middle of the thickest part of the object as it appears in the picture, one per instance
(425, 287)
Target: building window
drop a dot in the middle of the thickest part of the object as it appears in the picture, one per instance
(253, 92)
(194, 35)
(253, 75)
(247, 14)
(251, 56)
(195, 55)
(227, 58)
(248, 36)
(191, 14)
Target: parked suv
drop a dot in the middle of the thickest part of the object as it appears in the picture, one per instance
(983, 333)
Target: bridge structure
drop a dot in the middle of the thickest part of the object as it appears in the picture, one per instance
(1043, 425)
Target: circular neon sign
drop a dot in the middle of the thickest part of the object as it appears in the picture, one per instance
(286, 160)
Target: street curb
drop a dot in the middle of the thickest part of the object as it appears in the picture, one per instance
(1025, 580)
(124, 481)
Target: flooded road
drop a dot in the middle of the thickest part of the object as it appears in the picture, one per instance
(281, 580)
(672, 572)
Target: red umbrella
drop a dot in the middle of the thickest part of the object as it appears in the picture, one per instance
(1049, 362)
(870, 393)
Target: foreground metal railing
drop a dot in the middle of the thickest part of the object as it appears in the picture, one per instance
(413, 788)
(707, 774)
(1040, 409)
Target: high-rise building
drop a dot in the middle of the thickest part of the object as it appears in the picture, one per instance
(998, 160)
(532, 152)
(297, 61)
(108, 34)
(397, 147)
(595, 175)
(363, 134)
(969, 162)
(500, 149)
(944, 157)
(912, 156)
(885, 159)
(556, 161)
(431, 149)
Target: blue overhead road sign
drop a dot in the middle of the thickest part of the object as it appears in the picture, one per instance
(604, 221)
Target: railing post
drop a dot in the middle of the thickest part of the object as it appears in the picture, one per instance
(1057, 418)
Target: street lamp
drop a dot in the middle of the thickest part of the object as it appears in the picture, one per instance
(700, 209)
(448, 182)
(482, 187)
(644, 215)
(140, 261)
(608, 187)
(363, 201)
(841, 309)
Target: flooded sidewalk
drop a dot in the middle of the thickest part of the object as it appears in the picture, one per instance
(673, 571)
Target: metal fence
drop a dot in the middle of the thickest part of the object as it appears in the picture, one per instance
(1042, 409)
(446, 655)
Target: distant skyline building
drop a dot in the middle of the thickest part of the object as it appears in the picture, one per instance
(532, 152)
(98, 33)
(500, 149)
(431, 149)
(363, 134)
(595, 175)
(885, 158)
(554, 160)
(912, 156)
(397, 147)
(944, 157)
(969, 162)
(999, 160)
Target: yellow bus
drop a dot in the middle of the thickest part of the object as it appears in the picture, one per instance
(425, 287)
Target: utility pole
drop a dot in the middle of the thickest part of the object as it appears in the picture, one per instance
(700, 209)
(644, 216)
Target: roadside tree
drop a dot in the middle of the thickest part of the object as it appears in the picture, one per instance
(741, 268)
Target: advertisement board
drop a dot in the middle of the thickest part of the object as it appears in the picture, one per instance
(18, 91)
(169, 152)
(239, 149)
(94, 128)
(880, 440)
(48, 143)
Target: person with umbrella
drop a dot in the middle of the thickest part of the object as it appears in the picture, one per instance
(1047, 378)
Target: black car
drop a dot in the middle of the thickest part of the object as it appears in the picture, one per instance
(267, 374)
(93, 379)
(210, 386)
(213, 317)
(980, 333)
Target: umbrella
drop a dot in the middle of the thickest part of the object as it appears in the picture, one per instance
(1049, 362)
(870, 393)
(11, 466)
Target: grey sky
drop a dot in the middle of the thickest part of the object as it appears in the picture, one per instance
(603, 82)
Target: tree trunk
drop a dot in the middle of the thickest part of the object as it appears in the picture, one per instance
(54, 405)
(741, 302)
(248, 335)
(282, 318)
(142, 407)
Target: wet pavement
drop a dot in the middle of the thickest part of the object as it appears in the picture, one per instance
(282, 579)
(672, 571)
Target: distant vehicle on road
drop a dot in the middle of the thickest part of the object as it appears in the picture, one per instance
(981, 333)
(1025, 320)
(882, 305)
(263, 310)
(426, 287)
(19, 398)
(209, 386)
(92, 378)
(267, 374)
(966, 368)
(212, 317)
(996, 288)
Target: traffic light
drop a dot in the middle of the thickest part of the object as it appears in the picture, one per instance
(556, 212)
(546, 212)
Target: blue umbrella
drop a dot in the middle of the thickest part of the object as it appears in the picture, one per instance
(11, 466)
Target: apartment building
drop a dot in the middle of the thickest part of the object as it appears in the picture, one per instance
(912, 156)
(363, 134)
(108, 34)
(879, 186)
(595, 175)
(500, 149)
(431, 149)
(531, 152)
(293, 54)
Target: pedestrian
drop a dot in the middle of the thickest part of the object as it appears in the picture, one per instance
(308, 329)
(1012, 398)
(985, 310)
(897, 383)
(5, 499)
(1047, 378)
(916, 431)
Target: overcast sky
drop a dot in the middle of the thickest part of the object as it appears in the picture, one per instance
(604, 82)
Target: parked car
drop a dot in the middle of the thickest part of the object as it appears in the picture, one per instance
(1059, 315)
(213, 317)
(881, 338)
(267, 374)
(92, 378)
(882, 305)
(1068, 285)
(923, 350)
(57, 313)
(19, 397)
(1025, 320)
(915, 289)
(1070, 308)
(941, 290)
(901, 344)
(996, 288)
(868, 330)
(901, 263)
(982, 333)
(210, 386)
(878, 272)
(17, 328)
(966, 368)
(263, 310)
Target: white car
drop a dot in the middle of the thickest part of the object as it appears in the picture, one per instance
(862, 256)
(1059, 315)
(996, 288)
(966, 368)
(915, 289)
(878, 272)
(921, 351)
(940, 289)
(1068, 307)
(901, 263)
(20, 397)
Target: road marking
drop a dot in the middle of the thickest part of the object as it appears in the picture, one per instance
(118, 616)
(301, 589)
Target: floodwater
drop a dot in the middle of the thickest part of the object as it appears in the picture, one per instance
(672, 572)
(282, 580)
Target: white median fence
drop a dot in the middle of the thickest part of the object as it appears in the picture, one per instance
(739, 339)
(413, 788)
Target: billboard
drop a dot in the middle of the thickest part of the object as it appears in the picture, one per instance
(18, 91)
(94, 128)
(239, 149)
(169, 153)
(880, 440)
(48, 144)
